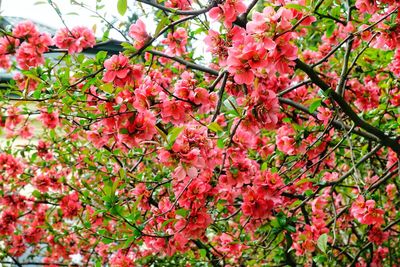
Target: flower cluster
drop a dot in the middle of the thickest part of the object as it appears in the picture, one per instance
(75, 39)
(120, 72)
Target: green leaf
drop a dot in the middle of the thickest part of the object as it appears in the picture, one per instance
(220, 143)
(106, 240)
(264, 166)
(129, 241)
(303, 181)
(297, 7)
(36, 194)
(40, 3)
(37, 93)
(123, 131)
(330, 28)
(122, 6)
(173, 134)
(275, 223)
(215, 127)
(291, 228)
(281, 219)
(182, 212)
(322, 242)
(203, 252)
(101, 56)
(289, 240)
(52, 134)
(230, 103)
(161, 25)
(309, 192)
(314, 105)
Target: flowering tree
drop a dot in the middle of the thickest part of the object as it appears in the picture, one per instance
(283, 149)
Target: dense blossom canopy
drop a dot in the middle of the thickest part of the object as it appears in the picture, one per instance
(278, 146)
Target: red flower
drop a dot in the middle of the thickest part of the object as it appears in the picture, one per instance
(120, 72)
(138, 33)
(75, 40)
(70, 205)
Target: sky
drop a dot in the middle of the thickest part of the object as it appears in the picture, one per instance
(41, 11)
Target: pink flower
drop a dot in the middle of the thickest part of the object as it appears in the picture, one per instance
(366, 6)
(178, 4)
(377, 236)
(255, 205)
(10, 166)
(243, 59)
(173, 111)
(25, 83)
(391, 191)
(70, 205)
(140, 127)
(27, 56)
(176, 42)
(324, 114)
(75, 40)
(43, 150)
(18, 246)
(285, 140)
(26, 132)
(49, 120)
(42, 182)
(26, 30)
(373, 216)
(97, 140)
(368, 95)
(84, 37)
(266, 109)
(120, 72)
(13, 118)
(395, 65)
(33, 234)
(138, 32)
(228, 11)
(5, 62)
(42, 43)
(366, 213)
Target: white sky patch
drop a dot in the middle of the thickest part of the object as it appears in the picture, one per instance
(76, 259)
(72, 14)
(45, 14)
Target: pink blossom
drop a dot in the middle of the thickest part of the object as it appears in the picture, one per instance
(228, 11)
(18, 246)
(377, 236)
(75, 40)
(367, 6)
(138, 33)
(13, 118)
(324, 114)
(28, 56)
(176, 42)
(50, 120)
(70, 205)
(26, 30)
(178, 4)
(120, 72)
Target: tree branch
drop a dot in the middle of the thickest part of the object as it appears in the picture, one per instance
(384, 139)
(178, 12)
(188, 64)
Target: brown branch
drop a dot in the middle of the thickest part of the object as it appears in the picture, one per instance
(179, 12)
(188, 64)
(384, 139)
